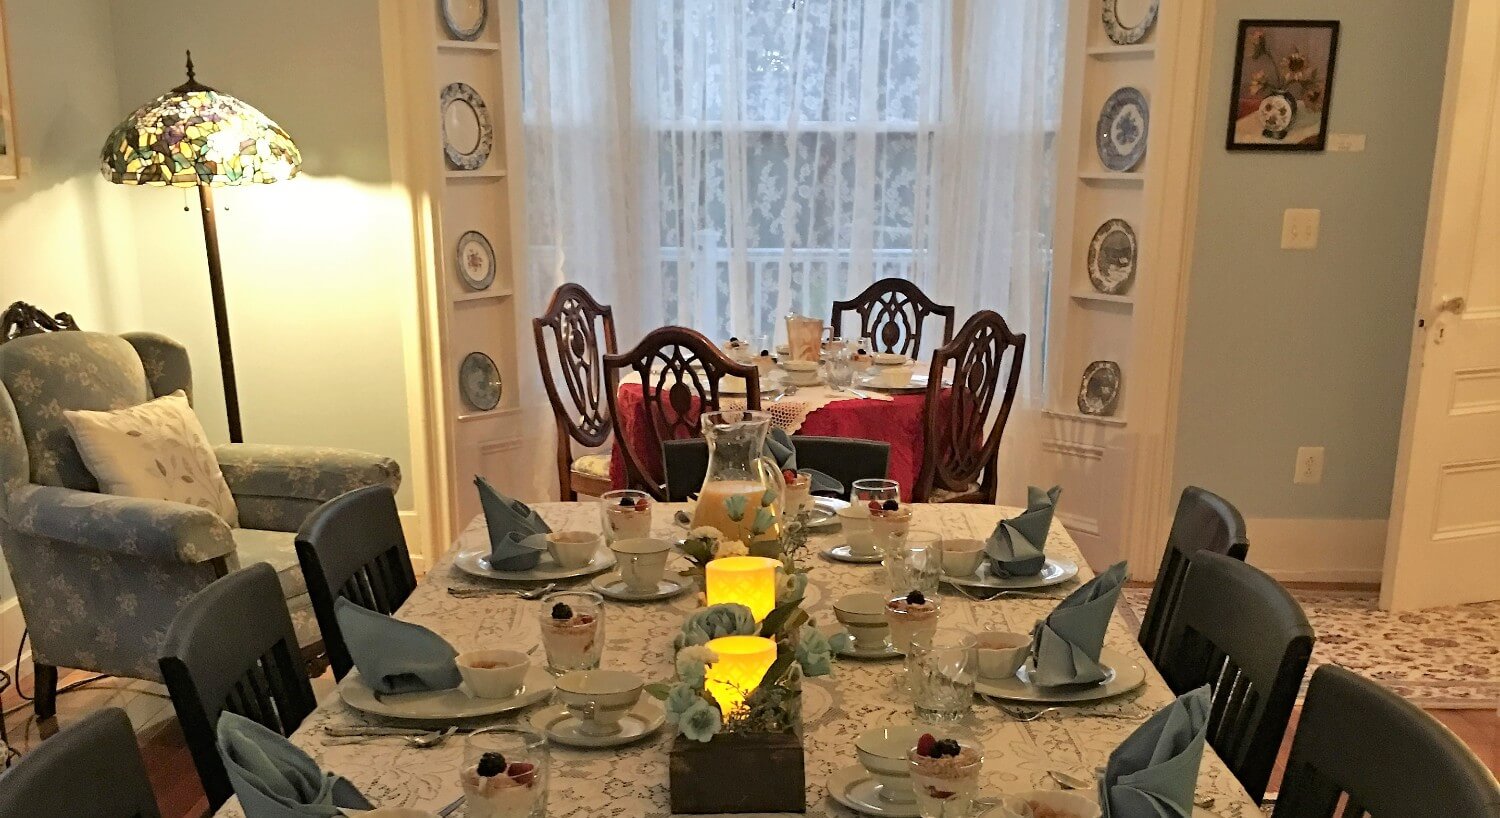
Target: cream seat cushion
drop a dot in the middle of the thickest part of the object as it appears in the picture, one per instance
(593, 465)
(156, 450)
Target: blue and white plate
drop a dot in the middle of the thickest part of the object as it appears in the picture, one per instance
(1121, 134)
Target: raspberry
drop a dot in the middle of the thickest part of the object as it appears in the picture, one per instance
(491, 764)
(890, 505)
(913, 598)
(521, 773)
(941, 795)
(874, 505)
(788, 475)
(642, 503)
(561, 611)
(924, 744)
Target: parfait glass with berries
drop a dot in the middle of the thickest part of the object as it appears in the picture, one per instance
(798, 495)
(913, 617)
(945, 775)
(625, 514)
(572, 630)
(505, 773)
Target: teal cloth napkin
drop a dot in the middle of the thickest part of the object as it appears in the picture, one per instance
(395, 656)
(275, 779)
(1065, 646)
(518, 535)
(1014, 548)
(779, 447)
(1154, 772)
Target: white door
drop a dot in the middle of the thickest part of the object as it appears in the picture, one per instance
(1444, 542)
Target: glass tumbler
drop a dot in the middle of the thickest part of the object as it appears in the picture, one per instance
(874, 488)
(915, 564)
(943, 668)
(572, 624)
(625, 514)
(946, 787)
(512, 781)
(838, 372)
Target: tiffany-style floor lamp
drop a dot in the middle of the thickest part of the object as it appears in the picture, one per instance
(194, 136)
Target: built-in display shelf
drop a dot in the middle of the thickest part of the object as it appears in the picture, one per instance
(1103, 420)
(1104, 298)
(483, 295)
(458, 175)
(497, 412)
(1111, 177)
(464, 45)
(1117, 52)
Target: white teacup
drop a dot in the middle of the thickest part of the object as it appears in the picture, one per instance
(1001, 653)
(800, 373)
(599, 698)
(493, 674)
(855, 520)
(891, 376)
(863, 614)
(890, 359)
(961, 557)
(642, 562)
(884, 752)
(573, 549)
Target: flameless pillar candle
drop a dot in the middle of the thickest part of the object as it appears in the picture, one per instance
(748, 581)
(743, 662)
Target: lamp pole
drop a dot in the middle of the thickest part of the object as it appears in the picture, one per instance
(221, 312)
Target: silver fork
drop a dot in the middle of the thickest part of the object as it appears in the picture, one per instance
(531, 593)
(1020, 715)
(1001, 592)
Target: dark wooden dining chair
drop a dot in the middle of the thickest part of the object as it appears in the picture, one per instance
(1238, 631)
(582, 332)
(845, 459)
(681, 373)
(232, 648)
(892, 312)
(1204, 522)
(90, 769)
(964, 423)
(1362, 747)
(352, 547)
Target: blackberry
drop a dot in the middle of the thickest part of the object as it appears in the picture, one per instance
(561, 611)
(627, 502)
(945, 747)
(491, 765)
(890, 505)
(915, 598)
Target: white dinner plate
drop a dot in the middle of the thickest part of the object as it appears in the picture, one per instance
(1054, 572)
(441, 705)
(1122, 676)
(475, 560)
(856, 789)
(841, 553)
(825, 512)
(557, 724)
(917, 384)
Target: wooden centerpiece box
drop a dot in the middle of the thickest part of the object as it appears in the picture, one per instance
(738, 772)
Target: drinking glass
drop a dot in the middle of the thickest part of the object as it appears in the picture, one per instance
(759, 343)
(943, 668)
(910, 625)
(573, 636)
(524, 792)
(838, 372)
(915, 564)
(946, 788)
(625, 522)
(875, 488)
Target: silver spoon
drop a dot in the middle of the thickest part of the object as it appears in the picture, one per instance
(429, 740)
(532, 593)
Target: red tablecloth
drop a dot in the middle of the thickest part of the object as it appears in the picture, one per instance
(897, 422)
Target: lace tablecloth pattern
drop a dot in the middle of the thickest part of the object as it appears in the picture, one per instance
(631, 781)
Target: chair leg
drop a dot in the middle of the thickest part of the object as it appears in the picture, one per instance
(44, 690)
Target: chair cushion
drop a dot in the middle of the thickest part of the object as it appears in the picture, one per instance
(593, 465)
(942, 495)
(277, 548)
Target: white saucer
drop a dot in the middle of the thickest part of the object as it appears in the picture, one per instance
(856, 789)
(475, 560)
(441, 705)
(840, 553)
(888, 652)
(1121, 676)
(825, 512)
(1054, 572)
(561, 726)
(612, 586)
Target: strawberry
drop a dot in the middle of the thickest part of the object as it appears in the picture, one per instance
(925, 744)
(788, 475)
(521, 772)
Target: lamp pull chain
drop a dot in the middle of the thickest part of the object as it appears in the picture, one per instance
(186, 207)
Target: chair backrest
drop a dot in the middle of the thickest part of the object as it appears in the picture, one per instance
(91, 769)
(577, 324)
(232, 647)
(892, 312)
(1204, 522)
(964, 427)
(1360, 744)
(353, 547)
(1239, 631)
(845, 459)
(681, 374)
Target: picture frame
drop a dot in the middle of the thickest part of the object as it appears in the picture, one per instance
(1283, 85)
(10, 156)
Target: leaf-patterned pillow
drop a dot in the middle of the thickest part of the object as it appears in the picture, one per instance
(156, 450)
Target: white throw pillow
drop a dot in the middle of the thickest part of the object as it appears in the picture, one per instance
(156, 450)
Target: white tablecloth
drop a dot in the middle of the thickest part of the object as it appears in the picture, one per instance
(631, 782)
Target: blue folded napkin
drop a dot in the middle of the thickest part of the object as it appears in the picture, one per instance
(275, 779)
(1014, 548)
(779, 447)
(1154, 772)
(1065, 646)
(395, 656)
(518, 535)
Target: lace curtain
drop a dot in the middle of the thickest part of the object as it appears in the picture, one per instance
(720, 163)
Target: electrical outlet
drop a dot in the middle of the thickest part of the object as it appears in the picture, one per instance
(1309, 465)
(1299, 228)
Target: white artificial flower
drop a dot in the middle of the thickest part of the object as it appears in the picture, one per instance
(730, 548)
(706, 532)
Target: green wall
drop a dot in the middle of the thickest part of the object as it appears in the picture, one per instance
(1292, 348)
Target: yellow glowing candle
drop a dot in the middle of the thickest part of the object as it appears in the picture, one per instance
(749, 581)
(743, 662)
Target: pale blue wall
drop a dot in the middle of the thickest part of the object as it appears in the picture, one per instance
(1309, 348)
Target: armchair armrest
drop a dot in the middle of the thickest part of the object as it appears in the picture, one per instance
(302, 472)
(149, 529)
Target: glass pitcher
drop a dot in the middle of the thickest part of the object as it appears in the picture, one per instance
(804, 337)
(739, 468)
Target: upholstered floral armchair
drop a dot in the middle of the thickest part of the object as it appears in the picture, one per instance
(99, 577)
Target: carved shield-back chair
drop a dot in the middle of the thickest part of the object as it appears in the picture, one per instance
(892, 312)
(577, 325)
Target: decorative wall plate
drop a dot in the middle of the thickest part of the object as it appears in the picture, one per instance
(467, 134)
(476, 260)
(1127, 22)
(1121, 134)
(479, 381)
(465, 19)
(1100, 389)
(1112, 254)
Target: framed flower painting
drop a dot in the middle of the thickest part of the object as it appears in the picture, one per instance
(1283, 82)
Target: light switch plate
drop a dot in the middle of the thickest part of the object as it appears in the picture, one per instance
(1346, 142)
(1299, 228)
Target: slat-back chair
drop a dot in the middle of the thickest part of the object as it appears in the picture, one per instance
(232, 648)
(1204, 522)
(1362, 747)
(1240, 632)
(577, 324)
(681, 373)
(892, 312)
(353, 547)
(845, 459)
(91, 769)
(962, 449)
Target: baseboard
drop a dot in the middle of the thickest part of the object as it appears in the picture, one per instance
(11, 628)
(1318, 550)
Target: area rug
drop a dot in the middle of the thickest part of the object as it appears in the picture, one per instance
(1439, 658)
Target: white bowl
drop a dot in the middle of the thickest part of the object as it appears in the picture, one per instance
(855, 521)
(573, 549)
(1001, 653)
(961, 557)
(890, 359)
(600, 698)
(883, 751)
(1072, 804)
(799, 366)
(493, 674)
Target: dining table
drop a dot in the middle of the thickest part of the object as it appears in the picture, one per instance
(631, 781)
